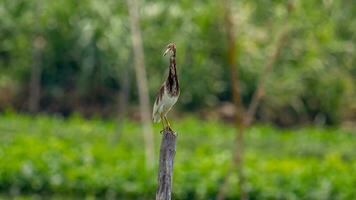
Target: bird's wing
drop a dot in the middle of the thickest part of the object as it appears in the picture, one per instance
(157, 105)
(155, 114)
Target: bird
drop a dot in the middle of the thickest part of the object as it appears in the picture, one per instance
(169, 91)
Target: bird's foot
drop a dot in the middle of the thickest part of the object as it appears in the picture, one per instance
(168, 128)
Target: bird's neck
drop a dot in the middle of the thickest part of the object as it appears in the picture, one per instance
(172, 65)
(172, 80)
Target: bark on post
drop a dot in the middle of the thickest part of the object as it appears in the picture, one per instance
(165, 169)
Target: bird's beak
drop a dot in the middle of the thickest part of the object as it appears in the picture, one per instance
(165, 53)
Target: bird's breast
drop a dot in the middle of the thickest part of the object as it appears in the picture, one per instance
(169, 100)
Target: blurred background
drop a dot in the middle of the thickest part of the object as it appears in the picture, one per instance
(70, 121)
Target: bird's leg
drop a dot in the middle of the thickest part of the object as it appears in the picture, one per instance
(162, 120)
(168, 124)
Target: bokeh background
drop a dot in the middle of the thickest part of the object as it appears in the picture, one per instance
(70, 120)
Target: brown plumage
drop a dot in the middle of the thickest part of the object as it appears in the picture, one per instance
(169, 92)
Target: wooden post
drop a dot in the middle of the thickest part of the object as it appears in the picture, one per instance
(165, 169)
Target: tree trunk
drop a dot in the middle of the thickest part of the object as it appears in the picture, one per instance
(248, 116)
(35, 80)
(141, 80)
(235, 89)
(166, 162)
(123, 98)
(232, 60)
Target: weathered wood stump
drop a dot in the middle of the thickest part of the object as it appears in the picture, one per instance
(166, 161)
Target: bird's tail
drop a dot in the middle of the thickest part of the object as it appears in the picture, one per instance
(156, 118)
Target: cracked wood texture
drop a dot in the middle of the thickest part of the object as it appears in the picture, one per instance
(166, 161)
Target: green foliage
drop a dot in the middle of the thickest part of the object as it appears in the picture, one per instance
(88, 48)
(75, 157)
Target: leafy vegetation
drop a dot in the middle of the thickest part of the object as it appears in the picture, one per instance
(76, 157)
(86, 50)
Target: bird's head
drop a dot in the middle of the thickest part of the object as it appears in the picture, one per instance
(171, 48)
